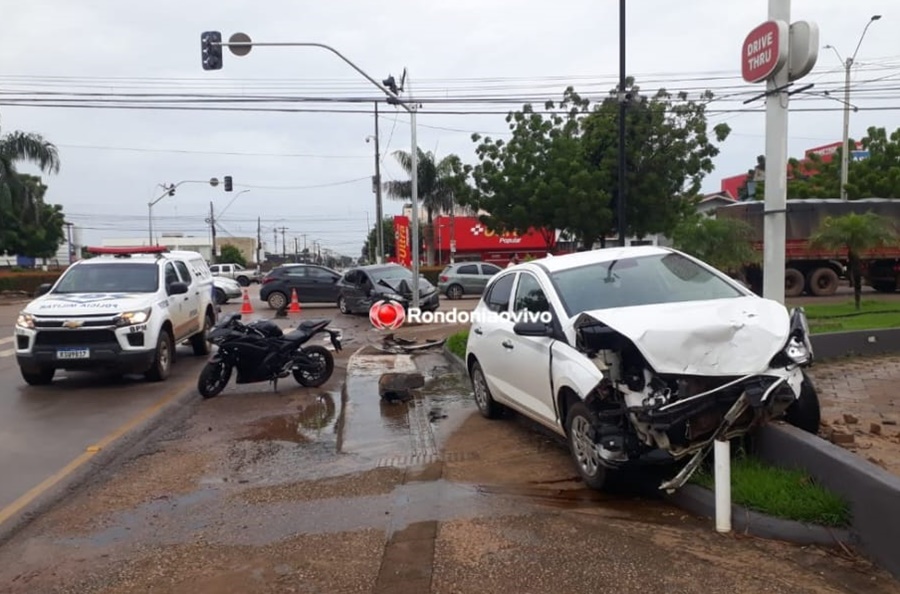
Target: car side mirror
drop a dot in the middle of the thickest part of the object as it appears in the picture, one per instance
(178, 288)
(532, 329)
(43, 289)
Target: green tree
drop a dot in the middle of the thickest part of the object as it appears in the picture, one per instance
(230, 254)
(434, 188)
(540, 178)
(560, 171)
(370, 248)
(855, 233)
(23, 214)
(724, 243)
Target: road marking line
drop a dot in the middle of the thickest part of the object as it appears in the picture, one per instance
(19, 504)
(8, 339)
(7, 352)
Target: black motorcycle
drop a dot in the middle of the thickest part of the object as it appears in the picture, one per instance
(261, 351)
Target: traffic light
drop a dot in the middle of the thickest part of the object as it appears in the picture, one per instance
(228, 185)
(171, 189)
(211, 50)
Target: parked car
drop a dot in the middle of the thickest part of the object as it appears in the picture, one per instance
(125, 309)
(313, 283)
(637, 354)
(466, 278)
(225, 289)
(360, 287)
(244, 276)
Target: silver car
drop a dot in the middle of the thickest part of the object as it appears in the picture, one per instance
(225, 289)
(466, 278)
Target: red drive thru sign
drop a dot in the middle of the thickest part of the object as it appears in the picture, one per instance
(765, 51)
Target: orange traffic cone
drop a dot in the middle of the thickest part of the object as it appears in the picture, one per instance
(246, 306)
(295, 303)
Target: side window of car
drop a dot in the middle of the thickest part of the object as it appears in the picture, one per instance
(490, 269)
(296, 272)
(352, 277)
(214, 269)
(468, 269)
(171, 274)
(530, 296)
(498, 298)
(184, 272)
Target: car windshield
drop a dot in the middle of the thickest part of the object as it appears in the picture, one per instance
(110, 278)
(645, 280)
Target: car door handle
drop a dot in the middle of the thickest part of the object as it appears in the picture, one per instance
(478, 331)
(507, 344)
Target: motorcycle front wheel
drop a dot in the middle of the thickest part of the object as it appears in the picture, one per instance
(213, 379)
(323, 362)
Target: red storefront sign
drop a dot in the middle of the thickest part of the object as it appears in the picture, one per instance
(471, 235)
(401, 241)
(764, 52)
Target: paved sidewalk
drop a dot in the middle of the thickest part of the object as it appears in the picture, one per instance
(860, 400)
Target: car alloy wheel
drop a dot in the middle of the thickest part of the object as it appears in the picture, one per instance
(277, 300)
(583, 447)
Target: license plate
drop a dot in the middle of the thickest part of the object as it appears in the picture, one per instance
(73, 353)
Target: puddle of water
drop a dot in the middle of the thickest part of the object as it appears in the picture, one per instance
(309, 423)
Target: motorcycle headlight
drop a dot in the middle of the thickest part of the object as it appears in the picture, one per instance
(130, 318)
(25, 320)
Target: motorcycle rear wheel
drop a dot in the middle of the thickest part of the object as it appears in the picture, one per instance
(213, 379)
(324, 362)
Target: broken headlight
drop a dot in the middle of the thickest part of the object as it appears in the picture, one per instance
(798, 350)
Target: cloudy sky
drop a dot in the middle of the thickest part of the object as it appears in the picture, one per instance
(308, 167)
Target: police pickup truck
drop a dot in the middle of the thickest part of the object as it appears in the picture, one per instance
(123, 309)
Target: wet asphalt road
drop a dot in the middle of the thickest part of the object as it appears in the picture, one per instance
(43, 429)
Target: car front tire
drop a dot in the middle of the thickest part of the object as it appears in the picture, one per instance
(42, 377)
(585, 454)
(162, 360)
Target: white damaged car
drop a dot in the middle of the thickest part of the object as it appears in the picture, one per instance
(637, 355)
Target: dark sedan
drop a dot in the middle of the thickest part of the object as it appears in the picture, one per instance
(314, 284)
(360, 287)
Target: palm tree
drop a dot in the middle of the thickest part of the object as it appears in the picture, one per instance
(855, 233)
(434, 187)
(16, 195)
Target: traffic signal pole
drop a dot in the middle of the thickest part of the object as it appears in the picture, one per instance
(240, 45)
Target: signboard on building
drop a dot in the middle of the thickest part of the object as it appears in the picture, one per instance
(402, 251)
(470, 234)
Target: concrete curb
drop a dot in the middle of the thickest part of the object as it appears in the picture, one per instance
(120, 450)
(702, 502)
(836, 345)
(873, 493)
(455, 360)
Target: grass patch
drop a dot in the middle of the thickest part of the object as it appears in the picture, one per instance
(843, 317)
(788, 494)
(456, 343)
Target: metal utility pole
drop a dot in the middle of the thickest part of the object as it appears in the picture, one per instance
(283, 244)
(622, 223)
(69, 241)
(212, 229)
(258, 242)
(379, 232)
(845, 146)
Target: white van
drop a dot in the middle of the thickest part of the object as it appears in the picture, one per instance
(123, 309)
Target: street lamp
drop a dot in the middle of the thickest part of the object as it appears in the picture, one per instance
(240, 45)
(170, 191)
(848, 64)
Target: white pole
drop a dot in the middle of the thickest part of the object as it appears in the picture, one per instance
(776, 170)
(845, 147)
(722, 455)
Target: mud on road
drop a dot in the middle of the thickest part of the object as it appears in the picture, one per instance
(334, 490)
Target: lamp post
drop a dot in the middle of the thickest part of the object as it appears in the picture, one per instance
(170, 191)
(240, 45)
(848, 64)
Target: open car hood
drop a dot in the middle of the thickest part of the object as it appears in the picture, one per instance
(79, 304)
(403, 287)
(721, 337)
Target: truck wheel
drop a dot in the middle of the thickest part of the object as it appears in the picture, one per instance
(823, 282)
(243, 281)
(162, 361)
(793, 282)
(198, 341)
